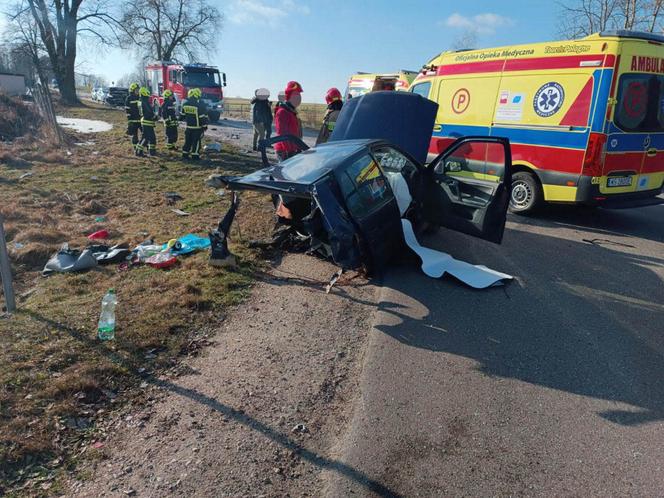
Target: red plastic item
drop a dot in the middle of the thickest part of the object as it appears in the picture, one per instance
(100, 234)
(161, 261)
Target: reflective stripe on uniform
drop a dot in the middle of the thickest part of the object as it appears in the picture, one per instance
(192, 110)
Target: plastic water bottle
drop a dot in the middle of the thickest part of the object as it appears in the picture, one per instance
(106, 328)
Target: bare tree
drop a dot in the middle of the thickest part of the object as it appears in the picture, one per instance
(656, 9)
(170, 28)
(24, 39)
(583, 17)
(25, 46)
(135, 76)
(59, 23)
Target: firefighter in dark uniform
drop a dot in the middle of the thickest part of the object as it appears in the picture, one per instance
(148, 121)
(132, 105)
(194, 113)
(170, 120)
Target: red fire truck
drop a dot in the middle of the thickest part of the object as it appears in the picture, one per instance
(180, 78)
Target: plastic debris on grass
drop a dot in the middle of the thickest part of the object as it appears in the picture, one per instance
(187, 244)
(99, 235)
(213, 147)
(68, 260)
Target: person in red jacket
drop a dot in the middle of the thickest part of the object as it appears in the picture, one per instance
(286, 121)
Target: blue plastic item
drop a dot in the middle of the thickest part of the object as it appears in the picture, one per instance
(190, 243)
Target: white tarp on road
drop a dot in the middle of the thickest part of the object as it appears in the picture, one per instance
(436, 264)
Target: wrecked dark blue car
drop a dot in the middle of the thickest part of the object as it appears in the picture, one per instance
(348, 196)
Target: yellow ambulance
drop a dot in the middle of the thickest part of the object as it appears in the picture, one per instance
(585, 118)
(361, 83)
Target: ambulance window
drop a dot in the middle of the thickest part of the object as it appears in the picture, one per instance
(640, 106)
(422, 89)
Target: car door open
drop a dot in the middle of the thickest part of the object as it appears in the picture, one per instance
(468, 185)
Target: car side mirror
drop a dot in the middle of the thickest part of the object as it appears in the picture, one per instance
(445, 166)
(223, 77)
(452, 165)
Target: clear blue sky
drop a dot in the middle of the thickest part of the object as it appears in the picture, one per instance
(265, 43)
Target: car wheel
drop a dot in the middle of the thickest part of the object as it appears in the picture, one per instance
(526, 195)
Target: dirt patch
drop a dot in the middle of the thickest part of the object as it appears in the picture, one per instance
(260, 411)
(44, 236)
(47, 156)
(11, 161)
(93, 207)
(33, 255)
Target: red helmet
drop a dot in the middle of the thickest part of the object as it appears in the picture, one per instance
(332, 95)
(291, 88)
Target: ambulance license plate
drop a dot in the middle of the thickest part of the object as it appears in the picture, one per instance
(619, 181)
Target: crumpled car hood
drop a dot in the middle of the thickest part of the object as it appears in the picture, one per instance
(402, 118)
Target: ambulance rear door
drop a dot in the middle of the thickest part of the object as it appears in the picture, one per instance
(635, 140)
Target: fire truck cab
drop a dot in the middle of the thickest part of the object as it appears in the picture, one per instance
(180, 78)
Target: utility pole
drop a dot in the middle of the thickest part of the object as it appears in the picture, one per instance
(6, 271)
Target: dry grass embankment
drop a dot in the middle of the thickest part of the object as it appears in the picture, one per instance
(58, 383)
(18, 118)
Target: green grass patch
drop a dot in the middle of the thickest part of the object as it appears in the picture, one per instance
(55, 376)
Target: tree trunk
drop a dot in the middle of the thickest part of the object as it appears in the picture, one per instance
(68, 85)
(64, 74)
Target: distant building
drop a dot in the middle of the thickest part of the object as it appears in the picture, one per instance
(12, 84)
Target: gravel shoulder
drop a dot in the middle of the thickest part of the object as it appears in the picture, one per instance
(259, 414)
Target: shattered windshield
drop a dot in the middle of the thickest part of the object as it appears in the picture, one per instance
(310, 165)
(201, 78)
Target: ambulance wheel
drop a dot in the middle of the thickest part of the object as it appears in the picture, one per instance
(526, 195)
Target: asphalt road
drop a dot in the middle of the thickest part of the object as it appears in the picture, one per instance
(550, 386)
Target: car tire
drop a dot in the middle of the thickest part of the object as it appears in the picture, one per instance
(526, 195)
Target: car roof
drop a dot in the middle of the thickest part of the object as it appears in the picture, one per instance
(311, 165)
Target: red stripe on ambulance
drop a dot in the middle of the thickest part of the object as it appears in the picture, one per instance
(531, 64)
(577, 115)
(551, 158)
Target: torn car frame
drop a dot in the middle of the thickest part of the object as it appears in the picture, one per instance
(356, 190)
